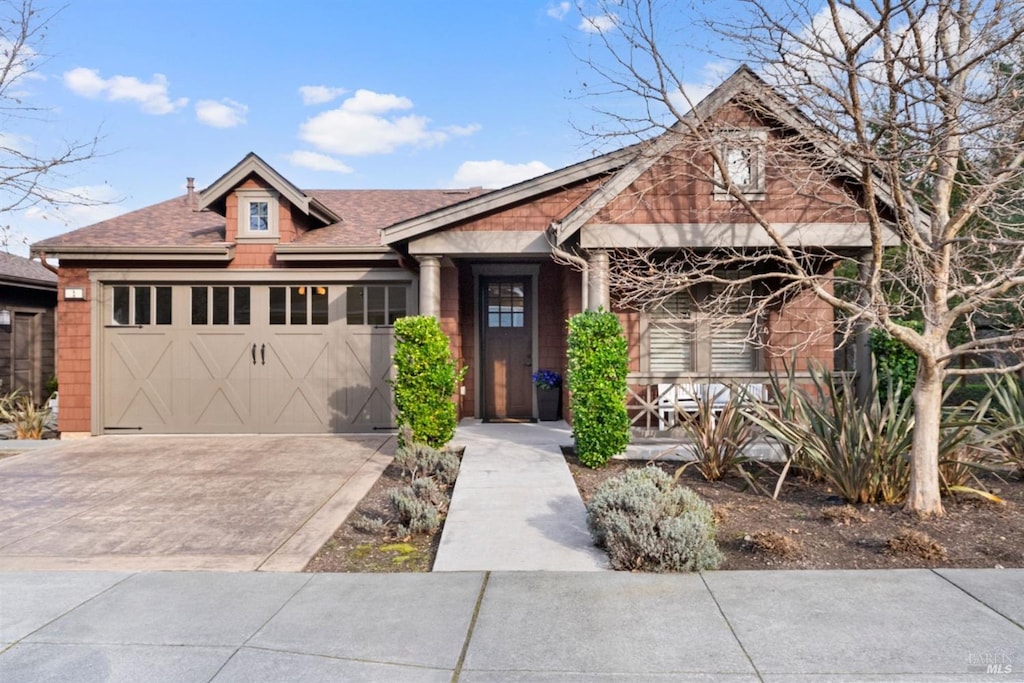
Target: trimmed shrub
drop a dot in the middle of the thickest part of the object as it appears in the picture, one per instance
(425, 379)
(647, 523)
(598, 364)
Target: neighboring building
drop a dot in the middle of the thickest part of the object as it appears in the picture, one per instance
(254, 306)
(28, 305)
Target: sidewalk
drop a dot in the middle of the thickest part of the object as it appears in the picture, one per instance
(515, 506)
(221, 627)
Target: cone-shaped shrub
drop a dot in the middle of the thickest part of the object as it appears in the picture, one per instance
(425, 379)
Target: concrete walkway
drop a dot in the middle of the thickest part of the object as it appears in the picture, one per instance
(792, 626)
(515, 506)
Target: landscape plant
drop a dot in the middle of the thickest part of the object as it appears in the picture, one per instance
(1005, 420)
(426, 377)
(27, 418)
(648, 523)
(718, 433)
(598, 365)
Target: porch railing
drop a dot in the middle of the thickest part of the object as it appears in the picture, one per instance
(650, 396)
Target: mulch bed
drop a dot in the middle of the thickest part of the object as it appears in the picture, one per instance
(808, 527)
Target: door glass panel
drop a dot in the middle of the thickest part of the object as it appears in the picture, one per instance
(120, 311)
(505, 305)
(163, 305)
(278, 306)
(142, 304)
(199, 306)
(220, 305)
(320, 308)
(242, 305)
(298, 304)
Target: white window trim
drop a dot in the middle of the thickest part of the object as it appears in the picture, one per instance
(247, 197)
(755, 140)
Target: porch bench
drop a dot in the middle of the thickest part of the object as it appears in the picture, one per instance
(677, 398)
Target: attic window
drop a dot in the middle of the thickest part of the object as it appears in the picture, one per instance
(257, 215)
(742, 153)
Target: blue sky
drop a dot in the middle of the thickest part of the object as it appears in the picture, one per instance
(398, 94)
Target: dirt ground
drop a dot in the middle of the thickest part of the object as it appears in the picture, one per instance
(808, 527)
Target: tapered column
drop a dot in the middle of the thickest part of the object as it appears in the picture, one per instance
(597, 281)
(862, 337)
(430, 285)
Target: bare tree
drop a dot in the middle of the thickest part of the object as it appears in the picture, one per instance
(30, 173)
(912, 110)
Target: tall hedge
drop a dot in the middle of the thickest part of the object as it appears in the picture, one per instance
(598, 364)
(425, 379)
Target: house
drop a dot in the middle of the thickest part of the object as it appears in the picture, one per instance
(256, 306)
(28, 306)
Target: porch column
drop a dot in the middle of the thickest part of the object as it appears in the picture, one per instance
(430, 285)
(597, 281)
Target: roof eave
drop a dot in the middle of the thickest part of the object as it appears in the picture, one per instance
(208, 252)
(499, 199)
(320, 252)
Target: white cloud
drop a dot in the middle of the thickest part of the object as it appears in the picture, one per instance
(151, 97)
(496, 173)
(600, 23)
(224, 114)
(317, 161)
(367, 123)
(559, 10)
(320, 94)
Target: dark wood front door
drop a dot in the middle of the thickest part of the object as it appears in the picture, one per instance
(507, 345)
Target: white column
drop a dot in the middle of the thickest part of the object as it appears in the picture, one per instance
(597, 281)
(430, 285)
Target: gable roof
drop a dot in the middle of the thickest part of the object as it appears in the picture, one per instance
(213, 196)
(18, 270)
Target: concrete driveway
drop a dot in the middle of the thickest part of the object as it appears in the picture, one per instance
(182, 502)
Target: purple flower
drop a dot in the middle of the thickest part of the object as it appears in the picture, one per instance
(547, 379)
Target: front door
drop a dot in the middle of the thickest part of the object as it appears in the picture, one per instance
(507, 346)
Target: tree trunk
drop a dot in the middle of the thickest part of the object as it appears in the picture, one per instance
(924, 498)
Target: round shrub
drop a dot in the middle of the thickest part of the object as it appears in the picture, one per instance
(647, 523)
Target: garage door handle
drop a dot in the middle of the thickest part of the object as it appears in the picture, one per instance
(263, 354)
(254, 354)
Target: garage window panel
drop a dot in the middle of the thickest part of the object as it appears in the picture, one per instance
(375, 304)
(140, 305)
(300, 305)
(220, 305)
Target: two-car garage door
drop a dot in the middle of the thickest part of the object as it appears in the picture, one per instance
(248, 357)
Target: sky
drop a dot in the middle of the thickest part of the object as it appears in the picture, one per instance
(339, 94)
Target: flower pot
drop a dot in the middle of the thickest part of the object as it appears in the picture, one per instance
(549, 404)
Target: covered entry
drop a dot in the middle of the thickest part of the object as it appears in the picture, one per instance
(298, 356)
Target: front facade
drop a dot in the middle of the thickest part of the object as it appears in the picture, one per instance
(254, 306)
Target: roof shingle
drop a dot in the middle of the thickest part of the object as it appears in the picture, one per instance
(19, 268)
(174, 224)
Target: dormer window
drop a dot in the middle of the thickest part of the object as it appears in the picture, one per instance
(257, 215)
(742, 153)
